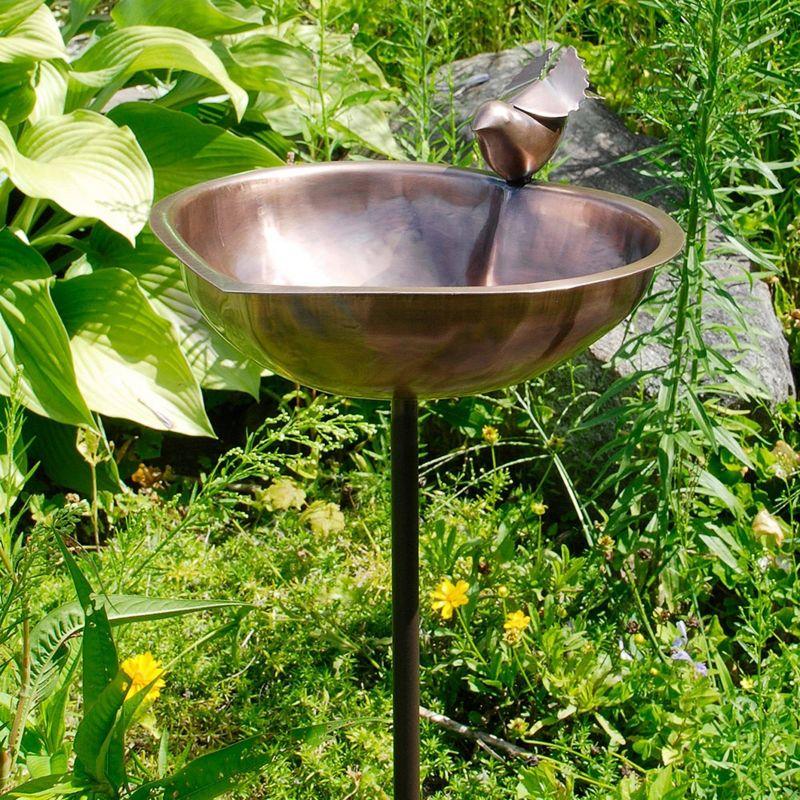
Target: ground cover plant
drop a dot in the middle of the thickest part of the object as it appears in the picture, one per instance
(609, 578)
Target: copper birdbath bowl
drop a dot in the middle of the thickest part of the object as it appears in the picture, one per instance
(409, 281)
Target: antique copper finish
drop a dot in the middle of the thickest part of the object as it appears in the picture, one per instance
(519, 137)
(380, 280)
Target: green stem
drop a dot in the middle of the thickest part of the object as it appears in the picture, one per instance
(72, 224)
(326, 140)
(27, 213)
(9, 755)
(643, 614)
(470, 640)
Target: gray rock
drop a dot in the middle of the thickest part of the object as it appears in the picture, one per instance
(594, 142)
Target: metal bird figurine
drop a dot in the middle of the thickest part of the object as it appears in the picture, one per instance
(518, 137)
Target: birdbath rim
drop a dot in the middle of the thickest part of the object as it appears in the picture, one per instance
(162, 221)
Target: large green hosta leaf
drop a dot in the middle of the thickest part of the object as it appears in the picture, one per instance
(86, 164)
(12, 12)
(79, 10)
(183, 151)
(33, 338)
(200, 17)
(121, 53)
(281, 63)
(50, 89)
(127, 358)
(215, 363)
(36, 38)
(17, 94)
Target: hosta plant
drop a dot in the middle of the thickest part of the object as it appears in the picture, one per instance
(99, 118)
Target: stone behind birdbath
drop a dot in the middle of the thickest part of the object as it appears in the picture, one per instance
(594, 140)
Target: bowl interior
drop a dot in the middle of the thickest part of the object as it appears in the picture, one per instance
(382, 225)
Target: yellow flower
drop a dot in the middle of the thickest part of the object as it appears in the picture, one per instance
(324, 518)
(765, 524)
(538, 508)
(283, 494)
(639, 639)
(502, 591)
(448, 596)
(747, 684)
(518, 726)
(515, 623)
(490, 435)
(142, 670)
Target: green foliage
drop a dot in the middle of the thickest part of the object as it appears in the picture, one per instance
(103, 326)
(630, 614)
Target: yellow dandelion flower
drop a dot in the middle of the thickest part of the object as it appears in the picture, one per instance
(448, 596)
(142, 670)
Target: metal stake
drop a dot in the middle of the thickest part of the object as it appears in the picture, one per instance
(405, 597)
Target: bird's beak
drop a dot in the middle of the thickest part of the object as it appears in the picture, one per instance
(491, 115)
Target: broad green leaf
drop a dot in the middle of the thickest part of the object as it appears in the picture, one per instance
(128, 359)
(281, 64)
(51, 715)
(712, 486)
(721, 551)
(367, 123)
(36, 38)
(95, 740)
(661, 785)
(50, 90)
(266, 63)
(86, 164)
(33, 337)
(50, 635)
(79, 10)
(121, 53)
(43, 766)
(98, 651)
(200, 17)
(208, 776)
(54, 447)
(17, 93)
(12, 12)
(215, 363)
(183, 151)
(614, 736)
(47, 788)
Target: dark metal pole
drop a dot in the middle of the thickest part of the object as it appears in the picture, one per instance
(405, 597)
